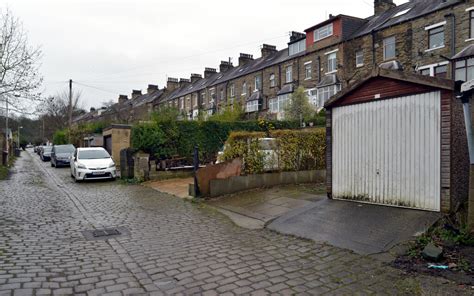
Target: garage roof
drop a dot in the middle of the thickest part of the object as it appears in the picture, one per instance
(414, 79)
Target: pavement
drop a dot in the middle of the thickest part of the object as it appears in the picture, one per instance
(177, 187)
(363, 228)
(165, 246)
(256, 208)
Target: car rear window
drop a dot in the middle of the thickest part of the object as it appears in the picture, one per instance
(64, 149)
(93, 154)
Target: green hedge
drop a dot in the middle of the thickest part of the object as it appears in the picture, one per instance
(295, 150)
(178, 138)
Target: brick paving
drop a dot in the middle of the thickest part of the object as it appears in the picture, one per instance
(170, 247)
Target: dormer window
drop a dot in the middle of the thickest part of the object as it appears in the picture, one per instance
(297, 47)
(323, 32)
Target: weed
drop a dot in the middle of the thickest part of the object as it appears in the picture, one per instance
(408, 286)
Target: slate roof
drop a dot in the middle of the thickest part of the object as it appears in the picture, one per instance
(147, 98)
(435, 82)
(417, 8)
(233, 73)
(466, 52)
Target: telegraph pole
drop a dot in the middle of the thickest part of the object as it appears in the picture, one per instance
(70, 103)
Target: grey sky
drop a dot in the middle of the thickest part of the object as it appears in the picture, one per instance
(115, 46)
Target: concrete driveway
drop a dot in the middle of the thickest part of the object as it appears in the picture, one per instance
(363, 228)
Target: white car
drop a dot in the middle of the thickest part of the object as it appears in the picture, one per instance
(92, 164)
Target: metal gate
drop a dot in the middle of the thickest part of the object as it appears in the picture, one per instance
(388, 152)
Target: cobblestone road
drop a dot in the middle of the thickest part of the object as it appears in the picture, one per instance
(172, 246)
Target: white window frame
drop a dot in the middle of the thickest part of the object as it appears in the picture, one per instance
(289, 74)
(244, 89)
(470, 12)
(257, 80)
(432, 67)
(359, 54)
(308, 69)
(326, 92)
(323, 32)
(232, 90)
(272, 80)
(181, 103)
(332, 62)
(435, 26)
(312, 95)
(385, 45)
(252, 106)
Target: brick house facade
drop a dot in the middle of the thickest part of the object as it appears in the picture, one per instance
(416, 37)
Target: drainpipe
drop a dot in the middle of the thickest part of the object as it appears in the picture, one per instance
(319, 69)
(374, 62)
(453, 32)
(467, 90)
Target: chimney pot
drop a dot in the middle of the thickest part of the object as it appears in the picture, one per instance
(195, 77)
(245, 58)
(209, 71)
(136, 93)
(184, 82)
(92, 109)
(296, 36)
(381, 6)
(151, 88)
(225, 66)
(122, 99)
(172, 84)
(268, 50)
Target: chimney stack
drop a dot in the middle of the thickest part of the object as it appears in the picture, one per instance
(209, 71)
(136, 93)
(268, 50)
(381, 6)
(245, 58)
(184, 82)
(225, 66)
(122, 99)
(92, 109)
(296, 36)
(195, 77)
(172, 84)
(151, 88)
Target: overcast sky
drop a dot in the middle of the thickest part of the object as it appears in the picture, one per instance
(110, 47)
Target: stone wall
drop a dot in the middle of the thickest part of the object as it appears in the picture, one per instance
(121, 136)
(236, 184)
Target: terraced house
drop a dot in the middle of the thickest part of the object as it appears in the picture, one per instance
(429, 37)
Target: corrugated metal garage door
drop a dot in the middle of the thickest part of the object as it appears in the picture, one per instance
(388, 152)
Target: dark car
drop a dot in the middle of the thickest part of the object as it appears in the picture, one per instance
(45, 153)
(61, 155)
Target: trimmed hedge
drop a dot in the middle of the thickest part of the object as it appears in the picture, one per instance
(295, 150)
(178, 138)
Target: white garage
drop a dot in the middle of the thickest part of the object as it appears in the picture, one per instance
(390, 142)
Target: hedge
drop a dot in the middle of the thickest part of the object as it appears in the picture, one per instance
(295, 150)
(164, 140)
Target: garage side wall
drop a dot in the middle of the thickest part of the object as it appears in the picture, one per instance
(459, 164)
(329, 152)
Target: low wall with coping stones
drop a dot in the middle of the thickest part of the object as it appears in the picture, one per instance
(236, 184)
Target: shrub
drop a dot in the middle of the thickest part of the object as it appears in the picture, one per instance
(165, 139)
(295, 149)
(60, 137)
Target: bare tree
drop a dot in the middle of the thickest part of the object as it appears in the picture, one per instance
(19, 63)
(55, 111)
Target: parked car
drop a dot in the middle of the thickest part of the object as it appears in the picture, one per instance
(92, 164)
(61, 155)
(38, 149)
(45, 153)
